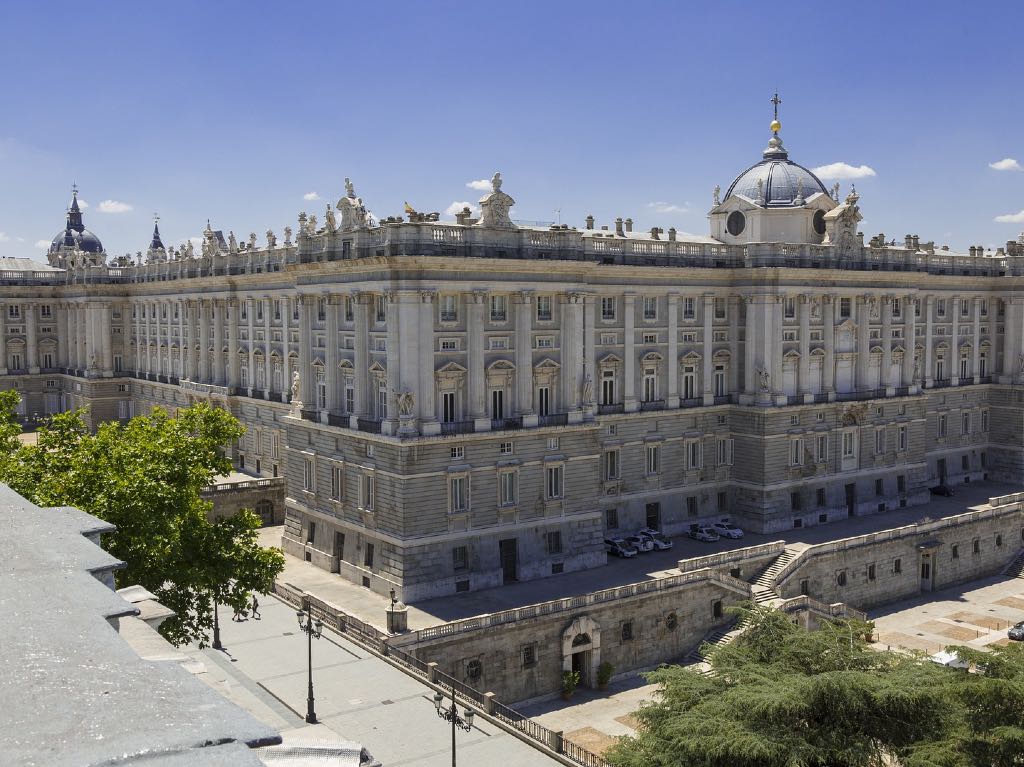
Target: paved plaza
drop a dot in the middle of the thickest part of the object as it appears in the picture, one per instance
(359, 697)
(370, 607)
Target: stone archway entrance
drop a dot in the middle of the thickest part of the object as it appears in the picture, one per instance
(581, 649)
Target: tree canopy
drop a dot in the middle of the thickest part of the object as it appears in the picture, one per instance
(781, 696)
(145, 477)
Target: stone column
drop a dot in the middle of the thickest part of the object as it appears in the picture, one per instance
(3, 339)
(62, 338)
(268, 362)
(31, 341)
(629, 354)
(188, 359)
(81, 319)
(572, 354)
(773, 348)
(804, 366)
(426, 390)
(749, 348)
(361, 365)
(331, 358)
(159, 357)
(390, 424)
(106, 354)
(286, 348)
(1011, 340)
(524, 358)
(929, 368)
(182, 335)
(139, 309)
(706, 358)
(673, 352)
(733, 310)
(204, 340)
(885, 374)
(976, 341)
(250, 304)
(828, 321)
(909, 341)
(863, 341)
(476, 396)
(589, 353)
(219, 313)
(306, 350)
(954, 362)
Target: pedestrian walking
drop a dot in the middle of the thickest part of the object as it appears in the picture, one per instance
(237, 616)
(255, 607)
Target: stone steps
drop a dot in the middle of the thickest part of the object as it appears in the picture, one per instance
(1016, 568)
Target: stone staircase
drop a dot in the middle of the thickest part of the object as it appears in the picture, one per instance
(716, 638)
(764, 582)
(1016, 568)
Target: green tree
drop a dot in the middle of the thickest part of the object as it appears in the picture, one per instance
(145, 477)
(780, 696)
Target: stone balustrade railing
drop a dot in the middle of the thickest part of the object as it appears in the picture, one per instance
(728, 557)
(834, 610)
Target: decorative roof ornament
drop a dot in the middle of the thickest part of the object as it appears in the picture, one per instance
(353, 212)
(716, 195)
(760, 191)
(495, 207)
(835, 191)
(799, 199)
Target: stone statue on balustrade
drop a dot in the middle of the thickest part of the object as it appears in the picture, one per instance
(353, 213)
(232, 243)
(252, 240)
(406, 404)
(271, 239)
(296, 386)
(330, 222)
(311, 224)
(287, 235)
(495, 207)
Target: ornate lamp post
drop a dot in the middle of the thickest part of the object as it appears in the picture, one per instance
(312, 629)
(216, 628)
(451, 714)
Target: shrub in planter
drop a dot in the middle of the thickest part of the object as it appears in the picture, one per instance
(604, 675)
(570, 681)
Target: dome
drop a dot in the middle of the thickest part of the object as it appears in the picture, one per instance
(782, 180)
(83, 240)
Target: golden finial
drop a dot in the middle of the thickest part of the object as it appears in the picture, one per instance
(776, 126)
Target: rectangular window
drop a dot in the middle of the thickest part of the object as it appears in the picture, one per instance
(499, 308)
(901, 484)
(941, 428)
(965, 423)
(311, 532)
(507, 488)
(457, 453)
(369, 491)
(460, 558)
(955, 551)
(844, 307)
(795, 501)
(821, 449)
(977, 545)
(552, 443)
(940, 307)
(449, 344)
(308, 475)
(725, 451)
(691, 506)
(543, 308)
(650, 338)
(879, 487)
(627, 631)
(448, 414)
(553, 541)
(719, 308)
(879, 440)
(653, 459)
(608, 305)
(822, 497)
(368, 556)
(458, 494)
(796, 451)
(871, 572)
(275, 446)
(611, 519)
(506, 448)
(689, 311)
(984, 420)
(902, 434)
(650, 308)
(553, 484)
(849, 444)
(337, 483)
(530, 656)
(897, 566)
(611, 464)
(381, 308)
(694, 454)
(789, 307)
(449, 308)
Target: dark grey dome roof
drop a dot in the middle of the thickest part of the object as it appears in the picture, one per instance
(83, 240)
(782, 179)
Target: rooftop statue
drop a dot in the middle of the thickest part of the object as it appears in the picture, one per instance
(495, 207)
(353, 213)
(271, 238)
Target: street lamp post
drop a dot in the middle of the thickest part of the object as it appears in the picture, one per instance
(312, 629)
(451, 714)
(216, 628)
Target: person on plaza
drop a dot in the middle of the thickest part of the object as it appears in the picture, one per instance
(255, 607)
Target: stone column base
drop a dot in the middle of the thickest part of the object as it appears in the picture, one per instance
(482, 424)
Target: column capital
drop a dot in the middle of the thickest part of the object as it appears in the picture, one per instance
(523, 296)
(476, 297)
(428, 296)
(574, 297)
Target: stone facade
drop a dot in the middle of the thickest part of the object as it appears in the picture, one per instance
(455, 406)
(264, 496)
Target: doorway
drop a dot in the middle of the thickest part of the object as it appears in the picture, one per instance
(940, 467)
(927, 571)
(654, 516)
(508, 553)
(851, 499)
(582, 653)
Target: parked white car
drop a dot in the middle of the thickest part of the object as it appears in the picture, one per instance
(727, 530)
(640, 542)
(619, 548)
(705, 534)
(661, 543)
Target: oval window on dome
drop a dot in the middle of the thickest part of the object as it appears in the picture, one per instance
(736, 223)
(819, 221)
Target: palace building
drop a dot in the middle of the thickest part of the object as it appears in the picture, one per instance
(460, 405)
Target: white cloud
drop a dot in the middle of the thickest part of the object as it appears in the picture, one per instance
(1007, 164)
(483, 184)
(668, 207)
(42, 243)
(82, 203)
(841, 170)
(310, 196)
(20, 239)
(113, 206)
(1011, 218)
(456, 207)
(4, 237)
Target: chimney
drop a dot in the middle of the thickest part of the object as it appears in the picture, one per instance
(618, 227)
(672, 234)
(917, 242)
(908, 242)
(973, 251)
(654, 232)
(590, 222)
(629, 225)
(860, 239)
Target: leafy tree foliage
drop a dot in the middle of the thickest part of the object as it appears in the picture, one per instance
(781, 696)
(145, 477)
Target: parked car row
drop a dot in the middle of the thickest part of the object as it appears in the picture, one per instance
(649, 539)
(646, 539)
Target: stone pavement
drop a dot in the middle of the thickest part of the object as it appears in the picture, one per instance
(370, 607)
(359, 696)
(975, 614)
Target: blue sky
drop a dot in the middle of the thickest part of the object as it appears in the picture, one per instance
(233, 111)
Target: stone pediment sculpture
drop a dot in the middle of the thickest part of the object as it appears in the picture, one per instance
(764, 380)
(406, 403)
(853, 415)
(353, 213)
(841, 227)
(495, 207)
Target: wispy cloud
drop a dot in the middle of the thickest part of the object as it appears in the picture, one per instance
(668, 207)
(82, 203)
(114, 206)
(1010, 218)
(42, 243)
(483, 184)
(457, 207)
(310, 196)
(4, 237)
(1006, 164)
(840, 170)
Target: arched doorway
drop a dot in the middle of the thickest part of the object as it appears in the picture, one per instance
(581, 649)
